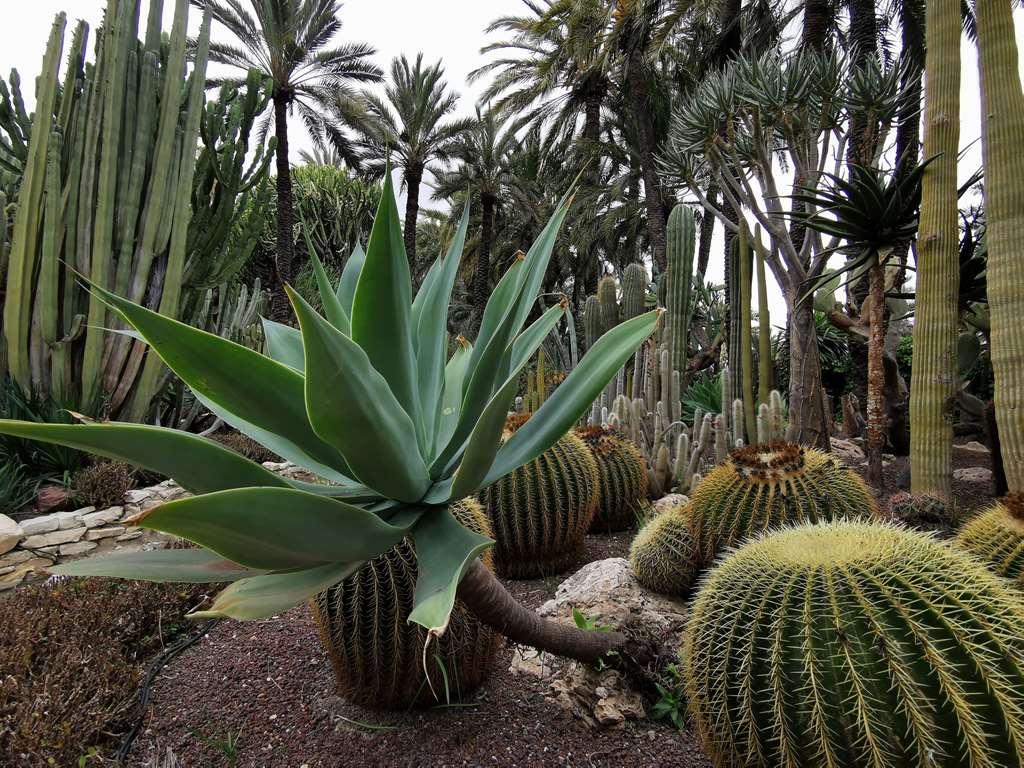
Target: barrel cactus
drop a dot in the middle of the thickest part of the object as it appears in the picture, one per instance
(996, 537)
(764, 486)
(663, 556)
(923, 511)
(541, 511)
(855, 644)
(621, 479)
(377, 654)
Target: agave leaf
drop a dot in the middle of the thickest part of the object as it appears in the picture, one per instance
(536, 264)
(451, 399)
(381, 322)
(267, 595)
(574, 396)
(193, 566)
(444, 549)
(484, 441)
(333, 310)
(350, 277)
(526, 343)
(350, 405)
(275, 528)
(266, 403)
(284, 344)
(197, 464)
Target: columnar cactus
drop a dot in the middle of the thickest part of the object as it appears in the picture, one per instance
(634, 291)
(764, 486)
(377, 654)
(764, 330)
(592, 329)
(607, 297)
(663, 556)
(680, 234)
(855, 644)
(541, 511)
(996, 537)
(622, 479)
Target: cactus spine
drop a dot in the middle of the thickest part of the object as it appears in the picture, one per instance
(377, 654)
(938, 276)
(852, 644)
(680, 233)
(663, 556)
(622, 480)
(996, 537)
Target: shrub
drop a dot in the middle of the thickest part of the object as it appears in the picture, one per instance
(71, 655)
(246, 446)
(103, 484)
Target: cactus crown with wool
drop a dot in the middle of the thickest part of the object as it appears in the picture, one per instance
(540, 512)
(766, 486)
(855, 644)
(996, 537)
(621, 476)
(377, 654)
(663, 556)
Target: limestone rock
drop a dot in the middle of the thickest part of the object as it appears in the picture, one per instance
(848, 451)
(94, 519)
(68, 520)
(41, 524)
(29, 568)
(668, 501)
(973, 474)
(17, 557)
(10, 534)
(95, 534)
(78, 548)
(974, 447)
(53, 538)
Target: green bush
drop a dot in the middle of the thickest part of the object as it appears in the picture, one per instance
(104, 484)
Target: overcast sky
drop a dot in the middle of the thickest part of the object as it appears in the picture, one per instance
(452, 31)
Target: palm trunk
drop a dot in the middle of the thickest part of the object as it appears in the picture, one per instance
(707, 233)
(864, 38)
(817, 20)
(413, 177)
(908, 129)
(807, 422)
(481, 278)
(876, 373)
(933, 379)
(285, 256)
(654, 203)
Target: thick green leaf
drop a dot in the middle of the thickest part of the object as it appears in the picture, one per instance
(484, 440)
(451, 400)
(350, 277)
(499, 307)
(350, 405)
(526, 343)
(275, 528)
(333, 310)
(380, 316)
(268, 595)
(573, 396)
(444, 550)
(194, 566)
(256, 395)
(197, 464)
(536, 263)
(284, 344)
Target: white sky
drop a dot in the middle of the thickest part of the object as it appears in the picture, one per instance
(452, 31)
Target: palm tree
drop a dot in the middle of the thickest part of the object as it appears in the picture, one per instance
(483, 170)
(288, 42)
(407, 128)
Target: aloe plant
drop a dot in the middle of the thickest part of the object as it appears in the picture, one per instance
(364, 398)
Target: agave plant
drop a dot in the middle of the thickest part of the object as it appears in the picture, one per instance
(363, 397)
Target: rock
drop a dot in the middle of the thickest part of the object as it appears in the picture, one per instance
(137, 495)
(95, 534)
(50, 497)
(974, 447)
(129, 536)
(102, 517)
(27, 569)
(973, 474)
(42, 524)
(78, 548)
(668, 501)
(16, 557)
(5, 571)
(69, 520)
(848, 451)
(169, 490)
(56, 537)
(10, 534)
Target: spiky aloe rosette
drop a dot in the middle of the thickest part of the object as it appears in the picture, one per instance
(621, 477)
(996, 537)
(541, 511)
(663, 555)
(855, 644)
(773, 484)
(378, 655)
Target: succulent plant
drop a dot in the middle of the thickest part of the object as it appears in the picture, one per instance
(923, 511)
(621, 477)
(541, 511)
(855, 644)
(369, 611)
(663, 556)
(764, 486)
(996, 537)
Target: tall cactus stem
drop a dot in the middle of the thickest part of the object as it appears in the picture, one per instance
(746, 333)
(764, 326)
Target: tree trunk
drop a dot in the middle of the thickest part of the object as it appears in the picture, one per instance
(876, 373)
(413, 177)
(285, 256)
(934, 375)
(481, 278)
(654, 203)
(807, 422)
(817, 20)
(707, 233)
(908, 128)
(864, 39)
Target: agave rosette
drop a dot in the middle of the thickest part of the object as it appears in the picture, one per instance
(365, 397)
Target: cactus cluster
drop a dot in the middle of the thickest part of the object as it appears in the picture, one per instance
(996, 537)
(664, 556)
(540, 512)
(621, 477)
(761, 487)
(378, 655)
(923, 511)
(855, 644)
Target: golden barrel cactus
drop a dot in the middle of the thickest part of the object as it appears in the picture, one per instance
(773, 484)
(621, 478)
(540, 512)
(996, 537)
(377, 654)
(859, 645)
(663, 556)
